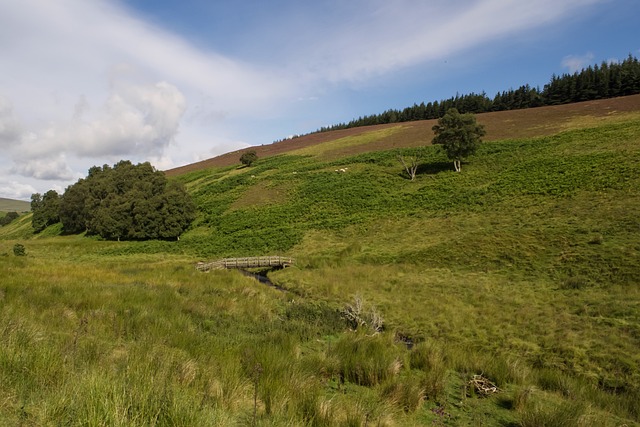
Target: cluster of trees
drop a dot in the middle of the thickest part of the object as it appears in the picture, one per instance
(8, 218)
(126, 201)
(608, 80)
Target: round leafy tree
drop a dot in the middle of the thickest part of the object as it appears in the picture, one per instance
(45, 210)
(248, 158)
(459, 134)
(127, 201)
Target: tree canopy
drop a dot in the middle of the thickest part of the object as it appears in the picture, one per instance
(8, 218)
(125, 201)
(45, 210)
(459, 134)
(248, 158)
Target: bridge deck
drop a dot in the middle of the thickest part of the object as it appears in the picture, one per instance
(246, 262)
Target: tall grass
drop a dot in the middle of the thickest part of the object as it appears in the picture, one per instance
(522, 268)
(567, 414)
(367, 360)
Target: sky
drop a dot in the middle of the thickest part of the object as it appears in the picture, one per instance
(91, 82)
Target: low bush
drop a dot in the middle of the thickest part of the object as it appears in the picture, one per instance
(19, 250)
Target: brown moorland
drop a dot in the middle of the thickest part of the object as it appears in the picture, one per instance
(526, 123)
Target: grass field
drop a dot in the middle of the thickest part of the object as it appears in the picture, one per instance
(9, 205)
(523, 269)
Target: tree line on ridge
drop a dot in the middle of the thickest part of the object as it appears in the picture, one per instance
(608, 80)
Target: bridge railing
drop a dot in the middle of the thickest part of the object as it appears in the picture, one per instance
(246, 262)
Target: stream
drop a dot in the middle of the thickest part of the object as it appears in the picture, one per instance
(262, 278)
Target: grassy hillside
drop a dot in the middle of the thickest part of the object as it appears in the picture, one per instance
(9, 205)
(543, 121)
(523, 269)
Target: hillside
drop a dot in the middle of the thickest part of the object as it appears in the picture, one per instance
(499, 125)
(9, 205)
(522, 271)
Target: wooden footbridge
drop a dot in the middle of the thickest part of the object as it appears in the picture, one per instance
(246, 262)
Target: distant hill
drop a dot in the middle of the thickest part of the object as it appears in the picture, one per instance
(526, 123)
(10, 205)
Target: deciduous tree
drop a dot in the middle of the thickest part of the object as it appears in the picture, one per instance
(411, 162)
(459, 134)
(248, 158)
(45, 210)
(127, 201)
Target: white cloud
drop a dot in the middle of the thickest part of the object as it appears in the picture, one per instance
(135, 121)
(386, 36)
(48, 169)
(576, 63)
(87, 83)
(15, 190)
(10, 128)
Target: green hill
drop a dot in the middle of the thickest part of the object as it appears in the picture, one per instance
(522, 271)
(9, 205)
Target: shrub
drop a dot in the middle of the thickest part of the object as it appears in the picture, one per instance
(8, 218)
(358, 317)
(248, 158)
(19, 250)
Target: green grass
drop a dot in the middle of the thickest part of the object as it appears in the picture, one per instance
(523, 268)
(332, 148)
(10, 205)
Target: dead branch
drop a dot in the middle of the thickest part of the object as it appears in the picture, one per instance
(483, 386)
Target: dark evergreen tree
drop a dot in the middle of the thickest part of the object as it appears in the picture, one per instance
(608, 80)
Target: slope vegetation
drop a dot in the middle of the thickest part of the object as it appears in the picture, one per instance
(526, 123)
(520, 272)
(10, 205)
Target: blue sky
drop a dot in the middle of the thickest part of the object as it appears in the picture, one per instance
(91, 82)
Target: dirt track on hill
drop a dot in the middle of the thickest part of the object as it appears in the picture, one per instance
(514, 124)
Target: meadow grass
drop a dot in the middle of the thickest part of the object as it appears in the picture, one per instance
(524, 268)
(331, 149)
(142, 340)
(9, 205)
